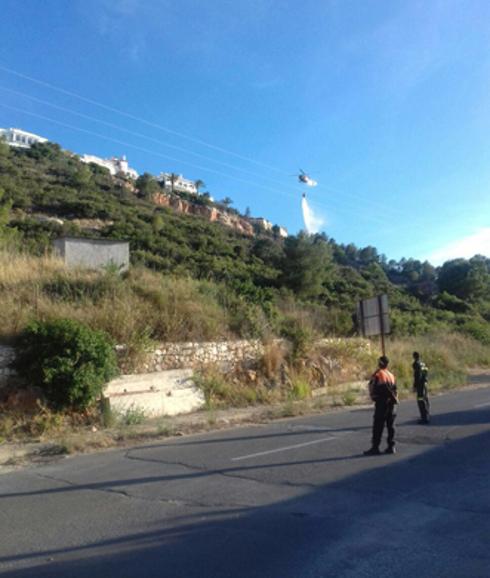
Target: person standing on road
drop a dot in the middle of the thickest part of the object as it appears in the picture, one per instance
(382, 390)
(420, 378)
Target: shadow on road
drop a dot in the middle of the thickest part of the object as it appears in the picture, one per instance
(382, 522)
(300, 430)
(462, 418)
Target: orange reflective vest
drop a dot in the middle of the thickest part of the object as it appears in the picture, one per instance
(383, 385)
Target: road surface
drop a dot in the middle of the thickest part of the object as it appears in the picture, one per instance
(291, 499)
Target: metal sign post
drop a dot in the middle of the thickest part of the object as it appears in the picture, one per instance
(381, 324)
(374, 318)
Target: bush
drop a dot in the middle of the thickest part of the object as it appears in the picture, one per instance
(479, 330)
(133, 415)
(69, 361)
(300, 388)
(301, 337)
(225, 390)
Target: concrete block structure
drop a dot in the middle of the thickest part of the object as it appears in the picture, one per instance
(93, 253)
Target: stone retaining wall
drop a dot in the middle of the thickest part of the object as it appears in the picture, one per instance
(191, 355)
(222, 353)
(186, 355)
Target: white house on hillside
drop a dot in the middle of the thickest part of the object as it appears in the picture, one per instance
(262, 223)
(15, 137)
(180, 184)
(267, 226)
(115, 165)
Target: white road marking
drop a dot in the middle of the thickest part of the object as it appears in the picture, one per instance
(283, 449)
(483, 404)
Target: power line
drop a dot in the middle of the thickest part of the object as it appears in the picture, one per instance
(137, 147)
(134, 133)
(149, 151)
(176, 133)
(140, 135)
(139, 119)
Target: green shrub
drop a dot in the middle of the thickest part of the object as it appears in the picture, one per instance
(300, 388)
(213, 385)
(349, 398)
(301, 337)
(221, 390)
(69, 361)
(479, 330)
(133, 415)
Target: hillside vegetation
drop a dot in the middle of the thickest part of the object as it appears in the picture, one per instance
(193, 279)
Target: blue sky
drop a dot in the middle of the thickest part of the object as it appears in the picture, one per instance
(386, 103)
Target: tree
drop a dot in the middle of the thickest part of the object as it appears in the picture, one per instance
(157, 223)
(147, 186)
(82, 178)
(268, 251)
(368, 255)
(174, 177)
(226, 202)
(199, 184)
(467, 279)
(206, 198)
(4, 147)
(6, 233)
(306, 264)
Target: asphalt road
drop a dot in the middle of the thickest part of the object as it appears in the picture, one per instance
(292, 499)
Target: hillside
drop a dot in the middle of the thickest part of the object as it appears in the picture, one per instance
(265, 281)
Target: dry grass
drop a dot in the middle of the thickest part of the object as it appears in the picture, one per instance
(140, 306)
(273, 358)
(42, 424)
(448, 356)
(232, 389)
(19, 269)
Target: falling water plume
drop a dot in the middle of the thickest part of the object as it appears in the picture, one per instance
(313, 223)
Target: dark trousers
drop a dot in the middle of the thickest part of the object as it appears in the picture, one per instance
(423, 403)
(384, 412)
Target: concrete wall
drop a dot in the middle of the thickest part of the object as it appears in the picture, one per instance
(7, 355)
(163, 385)
(155, 394)
(93, 253)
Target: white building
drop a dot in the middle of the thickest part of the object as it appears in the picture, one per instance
(115, 165)
(267, 226)
(262, 223)
(180, 184)
(15, 137)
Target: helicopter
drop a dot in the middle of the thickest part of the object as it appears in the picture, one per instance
(306, 179)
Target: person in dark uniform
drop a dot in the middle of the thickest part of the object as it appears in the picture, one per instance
(420, 379)
(382, 390)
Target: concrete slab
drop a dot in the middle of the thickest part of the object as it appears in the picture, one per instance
(170, 392)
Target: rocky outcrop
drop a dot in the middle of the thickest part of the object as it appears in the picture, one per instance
(209, 213)
(92, 224)
(83, 224)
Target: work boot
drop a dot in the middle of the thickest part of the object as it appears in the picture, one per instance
(372, 452)
(390, 450)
